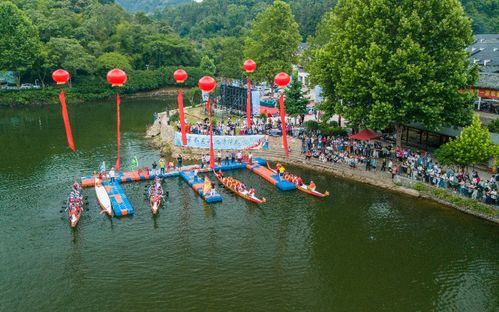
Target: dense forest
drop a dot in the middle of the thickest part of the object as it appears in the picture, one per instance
(148, 5)
(228, 17)
(88, 37)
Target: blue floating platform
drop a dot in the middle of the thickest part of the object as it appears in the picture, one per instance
(197, 183)
(119, 201)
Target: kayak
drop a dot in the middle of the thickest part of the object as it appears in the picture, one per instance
(246, 196)
(305, 188)
(103, 198)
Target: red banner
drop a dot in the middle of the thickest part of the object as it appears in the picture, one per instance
(248, 105)
(212, 152)
(182, 116)
(486, 93)
(118, 125)
(65, 118)
(283, 125)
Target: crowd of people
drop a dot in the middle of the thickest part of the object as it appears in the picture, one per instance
(238, 126)
(412, 164)
(75, 200)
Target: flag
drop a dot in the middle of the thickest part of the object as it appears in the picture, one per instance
(103, 167)
(134, 164)
(67, 125)
(118, 126)
(207, 186)
(181, 114)
(248, 106)
(283, 125)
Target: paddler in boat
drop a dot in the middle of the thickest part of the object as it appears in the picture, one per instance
(299, 181)
(312, 186)
(220, 173)
(281, 171)
(251, 192)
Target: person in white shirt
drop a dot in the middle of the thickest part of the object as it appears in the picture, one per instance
(112, 175)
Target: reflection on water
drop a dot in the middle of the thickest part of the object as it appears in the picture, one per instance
(361, 249)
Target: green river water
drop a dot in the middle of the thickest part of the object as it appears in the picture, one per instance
(361, 249)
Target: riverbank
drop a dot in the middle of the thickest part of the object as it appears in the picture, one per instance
(161, 135)
(90, 88)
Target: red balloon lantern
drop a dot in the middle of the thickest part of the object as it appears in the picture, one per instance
(60, 76)
(282, 80)
(116, 77)
(249, 66)
(207, 84)
(180, 75)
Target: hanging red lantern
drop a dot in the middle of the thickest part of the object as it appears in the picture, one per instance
(116, 77)
(249, 66)
(60, 76)
(180, 75)
(282, 80)
(207, 84)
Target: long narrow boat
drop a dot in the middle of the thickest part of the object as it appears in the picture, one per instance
(155, 197)
(74, 207)
(103, 198)
(246, 196)
(74, 215)
(304, 188)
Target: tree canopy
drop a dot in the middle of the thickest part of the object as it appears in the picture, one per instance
(473, 146)
(19, 42)
(296, 103)
(273, 41)
(391, 62)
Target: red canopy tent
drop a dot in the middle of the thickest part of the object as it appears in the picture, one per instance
(365, 135)
(269, 110)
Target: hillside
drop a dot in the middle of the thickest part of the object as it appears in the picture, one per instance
(148, 6)
(229, 17)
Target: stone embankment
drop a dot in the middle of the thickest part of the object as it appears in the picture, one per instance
(162, 137)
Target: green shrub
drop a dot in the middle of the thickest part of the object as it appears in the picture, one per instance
(311, 125)
(494, 126)
(174, 118)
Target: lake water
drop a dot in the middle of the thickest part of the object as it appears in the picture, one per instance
(361, 249)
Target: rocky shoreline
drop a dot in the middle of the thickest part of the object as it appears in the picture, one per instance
(161, 136)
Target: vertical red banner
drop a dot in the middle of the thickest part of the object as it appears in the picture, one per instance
(118, 126)
(67, 125)
(181, 114)
(248, 105)
(212, 152)
(283, 125)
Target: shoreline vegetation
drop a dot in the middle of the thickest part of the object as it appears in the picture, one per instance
(161, 135)
(140, 83)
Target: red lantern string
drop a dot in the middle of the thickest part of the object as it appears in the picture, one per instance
(65, 118)
(118, 126)
(283, 125)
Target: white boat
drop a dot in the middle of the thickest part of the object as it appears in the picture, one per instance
(103, 198)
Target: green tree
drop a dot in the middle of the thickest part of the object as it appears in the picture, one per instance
(163, 50)
(473, 146)
(69, 54)
(391, 62)
(296, 103)
(208, 66)
(110, 60)
(19, 40)
(273, 41)
(227, 53)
